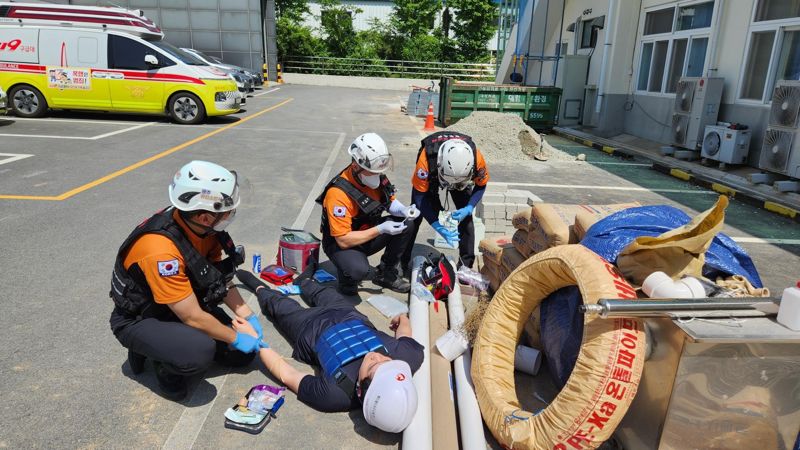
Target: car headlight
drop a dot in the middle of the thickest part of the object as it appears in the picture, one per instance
(220, 97)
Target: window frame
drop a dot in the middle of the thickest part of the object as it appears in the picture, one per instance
(671, 37)
(779, 27)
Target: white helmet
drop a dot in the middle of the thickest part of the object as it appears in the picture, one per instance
(391, 399)
(202, 185)
(456, 164)
(370, 153)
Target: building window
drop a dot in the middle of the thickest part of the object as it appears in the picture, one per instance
(588, 34)
(674, 44)
(773, 51)
(658, 22)
(694, 16)
(776, 9)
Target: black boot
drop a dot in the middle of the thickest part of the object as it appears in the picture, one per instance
(307, 274)
(173, 386)
(136, 361)
(391, 280)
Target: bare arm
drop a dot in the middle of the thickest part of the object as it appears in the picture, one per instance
(190, 313)
(355, 238)
(401, 326)
(236, 303)
(274, 362)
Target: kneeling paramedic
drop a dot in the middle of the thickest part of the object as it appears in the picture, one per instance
(450, 161)
(361, 367)
(170, 278)
(353, 226)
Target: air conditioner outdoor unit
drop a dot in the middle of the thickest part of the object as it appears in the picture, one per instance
(726, 145)
(779, 151)
(696, 106)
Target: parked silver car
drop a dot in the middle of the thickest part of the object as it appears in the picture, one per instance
(3, 101)
(245, 78)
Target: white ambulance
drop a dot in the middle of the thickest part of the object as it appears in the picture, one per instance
(103, 59)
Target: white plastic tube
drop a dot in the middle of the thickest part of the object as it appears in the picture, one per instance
(469, 414)
(419, 434)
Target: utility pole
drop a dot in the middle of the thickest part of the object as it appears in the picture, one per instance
(270, 38)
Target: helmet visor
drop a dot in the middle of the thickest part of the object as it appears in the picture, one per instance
(455, 183)
(378, 164)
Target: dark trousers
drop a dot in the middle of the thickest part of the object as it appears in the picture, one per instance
(352, 263)
(466, 229)
(182, 350)
(297, 323)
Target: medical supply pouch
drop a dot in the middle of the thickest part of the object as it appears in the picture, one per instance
(277, 275)
(440, 275)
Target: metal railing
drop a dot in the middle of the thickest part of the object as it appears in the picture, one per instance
(388, 68)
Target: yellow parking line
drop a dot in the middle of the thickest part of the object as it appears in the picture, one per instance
(144, 162)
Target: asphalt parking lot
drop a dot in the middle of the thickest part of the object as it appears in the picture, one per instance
(73, 185)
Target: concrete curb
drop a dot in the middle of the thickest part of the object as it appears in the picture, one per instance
(678, 169)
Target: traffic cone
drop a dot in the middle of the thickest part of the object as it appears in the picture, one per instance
(429, 119)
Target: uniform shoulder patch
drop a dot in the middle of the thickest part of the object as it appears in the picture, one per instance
(168, 268)
(339, 211)
(422, 174)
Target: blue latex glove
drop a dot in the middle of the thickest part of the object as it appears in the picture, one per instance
(462, 213)
(449, 235)
(253, 319)
(246, 343)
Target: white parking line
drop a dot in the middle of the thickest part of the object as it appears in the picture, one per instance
(604, 188)
(754, 240)
(84, 121)
(267, 92)
(12, 157)
(323, 178)
(600, 163)
(81, 138)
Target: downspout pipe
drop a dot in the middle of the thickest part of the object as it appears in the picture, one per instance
(609, 32)
(419, 433)
(469, 413)
(712, 59)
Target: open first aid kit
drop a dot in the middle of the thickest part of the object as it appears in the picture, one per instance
(296, 248)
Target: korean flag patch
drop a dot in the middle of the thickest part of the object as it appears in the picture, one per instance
(339, 211)
(168, 268)
(422, 174)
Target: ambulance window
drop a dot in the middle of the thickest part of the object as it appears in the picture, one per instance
(87, 50)
(127, 54)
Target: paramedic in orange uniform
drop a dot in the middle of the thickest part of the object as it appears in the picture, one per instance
(451, 162)
(353, 225)
(170, 277)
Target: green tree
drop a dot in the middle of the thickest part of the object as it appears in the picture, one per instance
(297, 40)
(337, 27)
(414, 17)
(422, 47)
(293, 10)
(474, 23)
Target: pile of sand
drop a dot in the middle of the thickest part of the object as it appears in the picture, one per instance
(505, 137)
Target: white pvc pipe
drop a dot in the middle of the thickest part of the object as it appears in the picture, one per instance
(609, 31)
(660, 285)
(469, 414)
(419, 434)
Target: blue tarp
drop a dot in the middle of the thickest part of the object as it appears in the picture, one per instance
(562, 324)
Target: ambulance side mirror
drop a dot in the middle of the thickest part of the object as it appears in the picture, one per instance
(151, 60)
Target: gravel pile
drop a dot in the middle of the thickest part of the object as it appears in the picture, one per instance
(505, 137)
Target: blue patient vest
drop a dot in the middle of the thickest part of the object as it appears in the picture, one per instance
(343, 343)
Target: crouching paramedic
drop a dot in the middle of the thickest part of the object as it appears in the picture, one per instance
(170, 278)
(360, 367)
(448, 161)
(353, 225)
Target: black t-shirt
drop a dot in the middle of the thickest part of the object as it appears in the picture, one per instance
(320, 391)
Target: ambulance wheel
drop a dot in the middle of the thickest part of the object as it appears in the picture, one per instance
(186, 108)
(27, 101)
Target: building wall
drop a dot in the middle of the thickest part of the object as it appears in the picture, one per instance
(228, 29)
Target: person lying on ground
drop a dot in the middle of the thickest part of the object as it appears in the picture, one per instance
(360, 366)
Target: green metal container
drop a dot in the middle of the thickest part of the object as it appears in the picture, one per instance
(537, 106)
